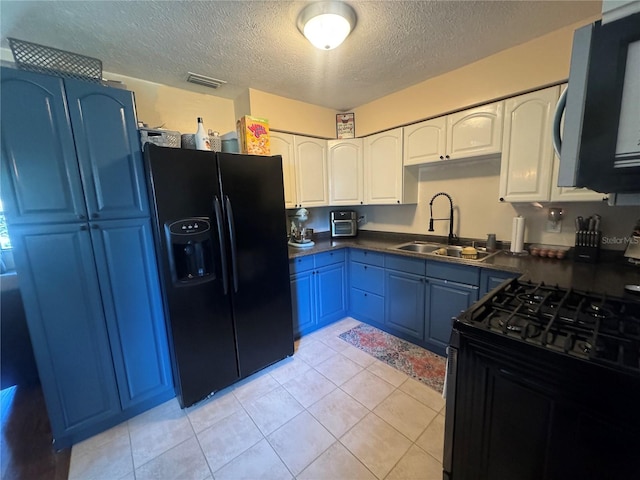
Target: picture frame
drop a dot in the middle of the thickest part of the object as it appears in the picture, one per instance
(345, 125)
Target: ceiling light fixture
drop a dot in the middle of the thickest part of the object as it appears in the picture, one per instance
(326, 24)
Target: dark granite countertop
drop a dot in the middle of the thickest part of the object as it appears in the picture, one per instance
(609, 276)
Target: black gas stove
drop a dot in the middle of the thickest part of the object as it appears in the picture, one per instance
(586, 325)
(550, 373)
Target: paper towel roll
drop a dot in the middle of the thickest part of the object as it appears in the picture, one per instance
(517, 234)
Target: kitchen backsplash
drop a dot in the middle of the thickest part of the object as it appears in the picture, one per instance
(477, 210)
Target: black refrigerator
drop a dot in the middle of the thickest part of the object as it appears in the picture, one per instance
(222, 252)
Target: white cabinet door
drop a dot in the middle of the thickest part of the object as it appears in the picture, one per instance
(346, 176)
(282, 144)
(424, 142)
(383, 168)
(527, 151)
(475, 132)
(311, 171)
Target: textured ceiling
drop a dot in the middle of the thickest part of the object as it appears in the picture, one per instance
(256, 44)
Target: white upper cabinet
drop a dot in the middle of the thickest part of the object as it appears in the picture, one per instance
(527, 151)
(346, 175)
(475, 132)
(282, 144)
(384, 181)
(311, 171)
(424, 142)
(471, 133)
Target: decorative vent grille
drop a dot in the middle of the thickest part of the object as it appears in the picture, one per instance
(206, 81)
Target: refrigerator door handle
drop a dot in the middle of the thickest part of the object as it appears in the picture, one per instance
(232, 238)
(223, 256)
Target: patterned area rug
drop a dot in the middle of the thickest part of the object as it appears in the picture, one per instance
(418, 363)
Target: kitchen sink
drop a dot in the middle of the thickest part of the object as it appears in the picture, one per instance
(437, 249)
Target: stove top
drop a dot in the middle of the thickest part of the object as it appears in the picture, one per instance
(586, 325)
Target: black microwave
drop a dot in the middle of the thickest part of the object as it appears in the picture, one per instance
(600, 144)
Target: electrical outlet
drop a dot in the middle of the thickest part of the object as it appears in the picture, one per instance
(553, 227)
(362, 218)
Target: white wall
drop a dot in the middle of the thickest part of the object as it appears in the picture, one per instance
(477, 211)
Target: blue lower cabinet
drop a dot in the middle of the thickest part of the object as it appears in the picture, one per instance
(95, 318)
(302, 302)
(318, 290)
(331, 293)
(366, 306)
(133, 309)
(444, 301)
(490, 279)
(59, 285)
(405, 305)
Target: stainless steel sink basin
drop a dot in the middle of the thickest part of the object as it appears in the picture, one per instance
(418, 247)
(437, 249)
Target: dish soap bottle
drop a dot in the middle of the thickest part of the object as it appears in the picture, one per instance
(202, 139)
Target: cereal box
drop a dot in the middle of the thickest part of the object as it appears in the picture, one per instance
(253, 135)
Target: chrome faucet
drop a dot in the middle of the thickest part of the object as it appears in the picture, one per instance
(452, 237)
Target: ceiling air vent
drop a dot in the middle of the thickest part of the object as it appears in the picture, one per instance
(206, 81)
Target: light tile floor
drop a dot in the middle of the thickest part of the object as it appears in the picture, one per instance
(329, 412)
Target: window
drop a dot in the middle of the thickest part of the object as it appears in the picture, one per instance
(5, 242)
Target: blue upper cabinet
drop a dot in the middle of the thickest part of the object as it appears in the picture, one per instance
(108, 149)
(40, 175)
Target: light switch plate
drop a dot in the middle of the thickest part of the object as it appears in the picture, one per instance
(553, 227)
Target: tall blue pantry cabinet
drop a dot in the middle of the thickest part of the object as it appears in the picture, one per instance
(74, 194)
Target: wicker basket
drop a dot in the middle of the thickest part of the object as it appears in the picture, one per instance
(162, 138)
(42, 59)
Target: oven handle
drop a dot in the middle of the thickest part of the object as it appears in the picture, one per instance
(449, 421)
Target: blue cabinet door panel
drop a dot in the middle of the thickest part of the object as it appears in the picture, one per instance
(329, 258)
(366, 306)
(331, 295)
(367, 277)
(108, 148)
(405, 264)
(490, 279)
(454, 273)
(405, 303)
(40, 175)
(366, 256)
(300, 264)
(445, 301)
(131, 297)
(62, 300)
(303, 302)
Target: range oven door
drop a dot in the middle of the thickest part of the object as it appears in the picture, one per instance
(447, 458)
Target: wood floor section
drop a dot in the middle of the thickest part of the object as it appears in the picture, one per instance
(26, 450)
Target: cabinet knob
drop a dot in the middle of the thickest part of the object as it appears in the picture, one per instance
(365, 294)
(398, 201)
(502, 199)
(441, 157)
(361, 203)
(605, 199)
(365, 267)
(447, 156)
(81, 217)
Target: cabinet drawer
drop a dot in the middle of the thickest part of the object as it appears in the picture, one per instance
(367, 277)
(405, 264)
(365, 256)
(366, 306)
(328, 258)
(300, 264)
(454, 273)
